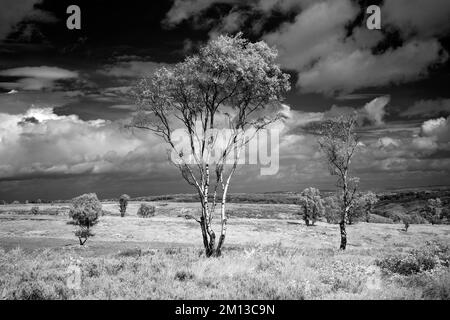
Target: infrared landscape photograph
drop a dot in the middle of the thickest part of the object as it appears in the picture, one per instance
(224, 150)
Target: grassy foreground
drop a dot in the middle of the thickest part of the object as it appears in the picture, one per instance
(269, 254)
(270, 272)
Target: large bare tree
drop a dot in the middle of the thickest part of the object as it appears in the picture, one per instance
(338, 142)
(220, 98)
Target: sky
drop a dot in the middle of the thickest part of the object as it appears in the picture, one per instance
(65, 95)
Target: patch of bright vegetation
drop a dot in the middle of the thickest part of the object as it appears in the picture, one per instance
(272, 272)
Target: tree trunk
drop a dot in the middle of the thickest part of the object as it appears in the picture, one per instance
(307, 221)
(223, 218)
(343, 235)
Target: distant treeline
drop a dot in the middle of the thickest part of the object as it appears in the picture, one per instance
(279, 197)
(269, 198)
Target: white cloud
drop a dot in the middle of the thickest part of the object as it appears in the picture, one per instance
(36, 78)
(387, 142)
(52, 144)
(375, 109)
(316, 32)
(439, 128)
(316, 45)
(348, 71)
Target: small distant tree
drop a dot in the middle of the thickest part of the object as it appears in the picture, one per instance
(34, 210)
(445, 215)
(332, 209)
(2, 202)
(406, 221)
(16, 202)
(233, 86)
(362, 207)
(123, 203)
(338, 142)
(38, 201)
(85, 211)
(370, 199)
(433, 210)
(312, 204)
(146, 210)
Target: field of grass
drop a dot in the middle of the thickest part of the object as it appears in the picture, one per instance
(269, 254)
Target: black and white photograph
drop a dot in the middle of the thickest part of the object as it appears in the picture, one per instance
(211, 152)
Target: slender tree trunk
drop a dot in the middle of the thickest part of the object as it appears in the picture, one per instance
(344, 213)
(223, 218)
(343, 235)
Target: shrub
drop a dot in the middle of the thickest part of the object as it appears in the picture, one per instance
(16, 202)
(362, 207)
(433, 211)
(432, 255)
(146, 210)
(85, 211)
(184, 275)
(123, 202)
(312, 204)
(406, 223)
(332, 210)
(34, 210)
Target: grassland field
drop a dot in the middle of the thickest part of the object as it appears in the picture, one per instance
(269, 254)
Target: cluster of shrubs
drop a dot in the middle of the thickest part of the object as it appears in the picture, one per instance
(86, 209)
(146, 210)
(315, 207)
(431, 256)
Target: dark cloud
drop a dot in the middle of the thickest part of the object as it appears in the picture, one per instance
(428, 108)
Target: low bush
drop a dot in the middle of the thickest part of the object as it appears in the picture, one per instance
(146, 210)
(431, 256)
(34, 210)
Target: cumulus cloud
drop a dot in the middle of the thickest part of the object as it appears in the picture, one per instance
(36, 78)
(375, 109)
(348, 71)
(437, 128)
(327, 60)
(386, 142)
(51, 144)
(316, 32)
(318, 46)
(372, 112)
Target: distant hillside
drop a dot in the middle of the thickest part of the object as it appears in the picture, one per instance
(395, 204)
